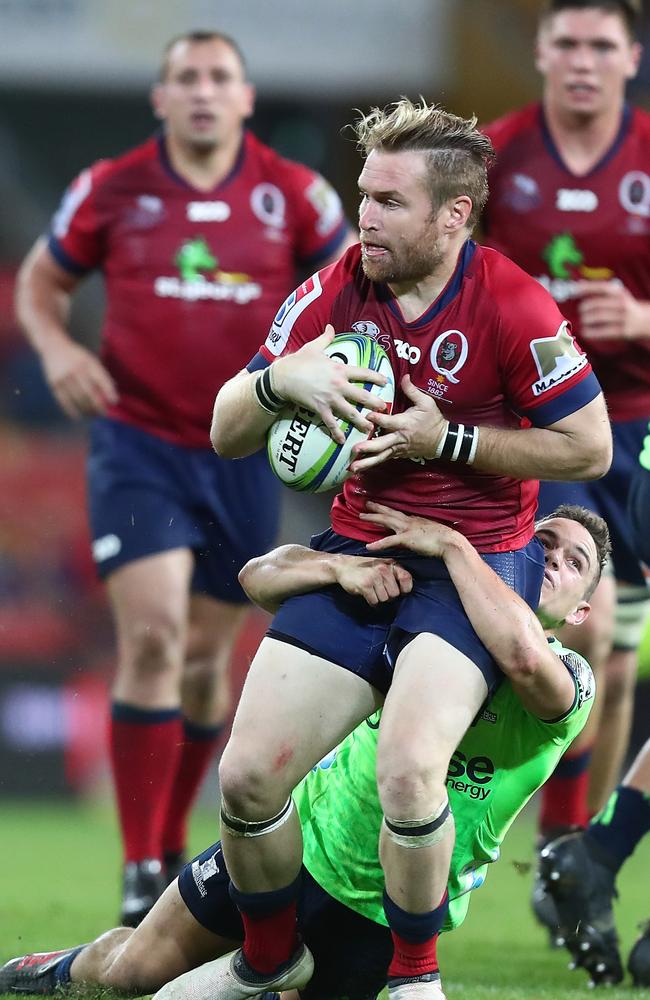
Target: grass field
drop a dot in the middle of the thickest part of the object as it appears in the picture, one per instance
(58, 887)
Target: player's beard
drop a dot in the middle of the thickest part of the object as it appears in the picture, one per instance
(412, 263)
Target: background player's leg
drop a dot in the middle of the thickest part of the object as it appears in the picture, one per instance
(205, 704)
(149, 599)
(435, 695)
(294, 708)
(564, 797)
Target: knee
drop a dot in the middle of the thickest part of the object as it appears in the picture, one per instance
(249, 788)
(153, 648)
(410, 787)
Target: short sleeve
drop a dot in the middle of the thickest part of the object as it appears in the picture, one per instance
(547, 374)
(320, 223)
(304, 315)
(76, 238)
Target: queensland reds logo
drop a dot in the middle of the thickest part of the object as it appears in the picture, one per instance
(449, 353)
(370, 329)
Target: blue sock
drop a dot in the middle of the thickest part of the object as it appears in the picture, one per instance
(619, 827)
(62, 970)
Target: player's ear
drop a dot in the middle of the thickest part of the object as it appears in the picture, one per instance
(458, 212)
(250, 95)
(636, 53)
(579, 615)
(156, 96)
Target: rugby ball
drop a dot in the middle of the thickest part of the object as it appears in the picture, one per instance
(300, 450)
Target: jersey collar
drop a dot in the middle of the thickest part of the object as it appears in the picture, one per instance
(165, 163)
(449, 292)
(626, 119)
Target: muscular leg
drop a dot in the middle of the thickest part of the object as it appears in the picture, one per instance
(167, 943)
(436, 693)
(614, 729)
(564, 796)
(294, 708)
(205, 702)
(150, 604)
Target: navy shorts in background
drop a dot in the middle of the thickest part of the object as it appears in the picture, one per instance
(345, 630)
(147, 495)
(609, 498)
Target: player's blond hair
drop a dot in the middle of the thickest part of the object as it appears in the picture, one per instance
(458, 154)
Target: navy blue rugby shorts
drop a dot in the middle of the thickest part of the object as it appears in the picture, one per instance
(609, 498)
(351, 953)
(147, 496)
(367, 640)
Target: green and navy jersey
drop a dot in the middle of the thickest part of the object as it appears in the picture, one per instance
(502, 760)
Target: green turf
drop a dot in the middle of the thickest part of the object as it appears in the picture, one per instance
(58, 887)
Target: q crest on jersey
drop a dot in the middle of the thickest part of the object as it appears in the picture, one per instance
(448, 355)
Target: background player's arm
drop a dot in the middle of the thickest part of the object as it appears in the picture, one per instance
(577, 447)
(608, 311)
(293, 569)
(502, 620)
(78, 380)
(309, 377)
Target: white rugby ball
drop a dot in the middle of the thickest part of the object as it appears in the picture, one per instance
(300, 450)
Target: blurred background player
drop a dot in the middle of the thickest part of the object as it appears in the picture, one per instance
(579, 871)
(198, 233)
(569, 202)
(543, 701)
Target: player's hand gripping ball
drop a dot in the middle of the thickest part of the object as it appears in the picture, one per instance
(301, 452)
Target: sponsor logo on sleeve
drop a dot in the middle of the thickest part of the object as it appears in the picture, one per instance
(582, 675)
(556, 358)
(326, 204)
(290, 310)
(72, 199)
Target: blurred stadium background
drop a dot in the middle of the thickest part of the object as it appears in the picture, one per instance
(74, 79)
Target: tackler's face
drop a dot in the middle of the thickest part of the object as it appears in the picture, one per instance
(204, 97)
(571, 564)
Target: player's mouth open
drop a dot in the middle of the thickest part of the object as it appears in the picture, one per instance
(373, 250)
(202, 118)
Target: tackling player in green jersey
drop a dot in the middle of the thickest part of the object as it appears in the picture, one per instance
(502, 760)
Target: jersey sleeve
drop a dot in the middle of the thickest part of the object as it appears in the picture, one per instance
(76, 238)
(547, 375)
(320, 223)
(303, 316)
(565, 728)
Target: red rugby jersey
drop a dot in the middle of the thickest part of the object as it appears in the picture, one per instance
(492, 349)
(562, 228)
(193, 278)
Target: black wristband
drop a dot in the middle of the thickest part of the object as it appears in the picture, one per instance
(267, 397)
(460, 444)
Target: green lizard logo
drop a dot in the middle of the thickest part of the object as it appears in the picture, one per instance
(560, 253)
(193, 258)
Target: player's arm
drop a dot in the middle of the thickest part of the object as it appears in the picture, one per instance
(608, 311)
(44, 289)
(240, 420)
(577, 447)
(293, 569)
(502, 620)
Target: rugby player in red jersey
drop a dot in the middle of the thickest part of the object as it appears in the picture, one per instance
(493, 393)
(570, 203)
(198, 233)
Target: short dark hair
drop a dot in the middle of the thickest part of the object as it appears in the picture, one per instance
(628, 10)
(201, 36)
(597, 528)
(458, 153)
